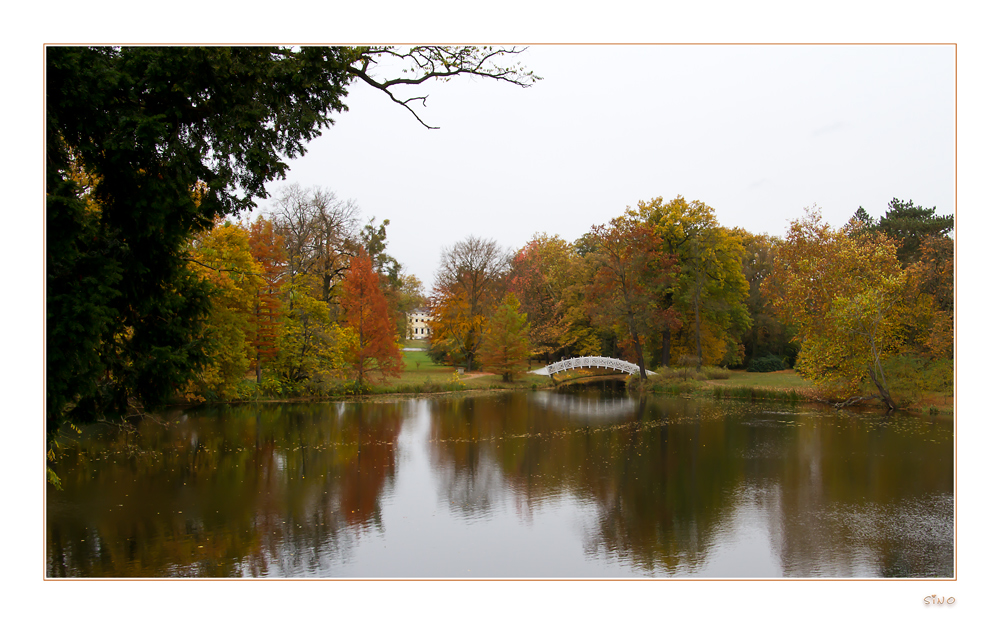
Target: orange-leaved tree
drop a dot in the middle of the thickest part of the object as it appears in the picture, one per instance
(372, 347)
(506, 344)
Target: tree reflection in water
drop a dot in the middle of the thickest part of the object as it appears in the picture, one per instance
(650, 486)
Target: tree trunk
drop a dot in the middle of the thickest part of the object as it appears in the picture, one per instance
(361, 348)
(638, 346)
(697, 330)
(665, 357)
(882, 391)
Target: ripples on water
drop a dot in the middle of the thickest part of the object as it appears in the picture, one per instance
(543, 484)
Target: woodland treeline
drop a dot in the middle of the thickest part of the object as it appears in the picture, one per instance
(863, 310)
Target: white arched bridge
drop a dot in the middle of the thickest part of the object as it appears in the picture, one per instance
(590, 361)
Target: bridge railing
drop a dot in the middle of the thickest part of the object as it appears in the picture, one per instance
(592, 362)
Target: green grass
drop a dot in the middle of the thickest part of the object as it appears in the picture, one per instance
(755, 394)
(422, 375)
(781, 385)
(786, 379)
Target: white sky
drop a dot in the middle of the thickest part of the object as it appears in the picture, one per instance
(758, 132)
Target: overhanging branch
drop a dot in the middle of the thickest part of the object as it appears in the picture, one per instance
(425, 63)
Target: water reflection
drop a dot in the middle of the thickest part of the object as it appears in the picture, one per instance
(587, 403)
(516, 484)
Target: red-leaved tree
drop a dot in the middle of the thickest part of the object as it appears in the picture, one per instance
(373, 347)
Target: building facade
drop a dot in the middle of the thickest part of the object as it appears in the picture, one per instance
(416, 324)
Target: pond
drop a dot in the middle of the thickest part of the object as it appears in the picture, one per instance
(583, 483)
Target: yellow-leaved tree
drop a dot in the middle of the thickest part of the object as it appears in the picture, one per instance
(222, 257)
(708, 298)
(844, 292)
(311, 345)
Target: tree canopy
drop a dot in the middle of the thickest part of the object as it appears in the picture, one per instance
(708, 300)
(909, 225)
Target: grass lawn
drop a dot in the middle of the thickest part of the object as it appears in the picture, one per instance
(420, 370)
(778, 380)
(790, 381)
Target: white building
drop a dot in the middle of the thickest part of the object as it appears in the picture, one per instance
(416, 324)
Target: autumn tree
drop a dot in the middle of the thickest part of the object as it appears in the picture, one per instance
(319, 232)
(926, 250)
(468, 285)
(715, 293)
(844, 295)
(311, 345)
(910, 225)
(933, 276)
(222, 257)
(267, 248)
(373, 241)
(403, 292)
(630, 273)
(767, 335)
(540, 278)
(708, 298)
(506, 343)
(372, 346)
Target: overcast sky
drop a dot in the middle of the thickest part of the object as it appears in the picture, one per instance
(757, 132)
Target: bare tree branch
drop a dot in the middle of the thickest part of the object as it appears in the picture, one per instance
(423, 63)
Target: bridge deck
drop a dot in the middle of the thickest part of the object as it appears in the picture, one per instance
(589, 361)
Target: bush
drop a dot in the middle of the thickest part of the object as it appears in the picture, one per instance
(684, 372)
(766, 364)
(909, 377)
(270, 387)
(247, 390)
(687, 361)
(715, 372)
(438, 354)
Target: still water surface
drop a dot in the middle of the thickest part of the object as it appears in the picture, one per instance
(583, 483)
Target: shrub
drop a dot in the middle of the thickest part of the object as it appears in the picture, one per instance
(715, 372)
(766, 364)
(270, 387)
(247, 390)
(684, 372)
(687, 361)
(438, 354)
(910, 377)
